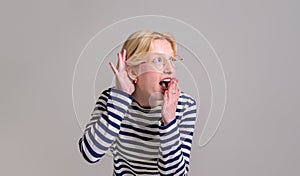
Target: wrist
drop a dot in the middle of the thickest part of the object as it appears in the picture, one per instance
(164, 122)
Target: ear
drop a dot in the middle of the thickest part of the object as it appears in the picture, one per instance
(132, 73)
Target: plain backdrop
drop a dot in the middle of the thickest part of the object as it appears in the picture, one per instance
(258, 45)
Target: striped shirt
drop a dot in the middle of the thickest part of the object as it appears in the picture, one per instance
(139, 142)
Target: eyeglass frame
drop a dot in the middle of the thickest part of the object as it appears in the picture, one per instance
(171, 59)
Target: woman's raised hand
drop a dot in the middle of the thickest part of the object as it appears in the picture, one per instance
(171, 97)
(123, 82)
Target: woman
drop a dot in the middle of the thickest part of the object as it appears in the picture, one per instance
(145, 120)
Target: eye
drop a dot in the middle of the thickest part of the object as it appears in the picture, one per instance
(157, 60)
(173, 59)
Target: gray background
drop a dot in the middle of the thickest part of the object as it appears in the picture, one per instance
(257, 41)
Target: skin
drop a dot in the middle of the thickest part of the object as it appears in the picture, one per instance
(147, 91)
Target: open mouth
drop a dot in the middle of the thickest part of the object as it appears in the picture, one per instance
(165, 83)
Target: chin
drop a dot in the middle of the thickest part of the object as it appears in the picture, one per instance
(156, 98)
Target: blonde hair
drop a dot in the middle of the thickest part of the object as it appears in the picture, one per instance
(139, 43)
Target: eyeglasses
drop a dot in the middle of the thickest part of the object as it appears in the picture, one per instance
(160, 60)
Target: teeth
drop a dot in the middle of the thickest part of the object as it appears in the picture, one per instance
(165, 82)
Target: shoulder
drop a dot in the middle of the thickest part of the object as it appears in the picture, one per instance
(186, 99)
(187, 107)
(116, 94)
(105, 93)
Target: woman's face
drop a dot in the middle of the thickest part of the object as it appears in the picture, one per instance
(150, 77)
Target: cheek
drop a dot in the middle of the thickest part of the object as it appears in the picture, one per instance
(146, 70)
(148, 76)
(149, 79)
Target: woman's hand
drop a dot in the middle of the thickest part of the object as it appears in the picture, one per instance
(171, 97)
(123, 82)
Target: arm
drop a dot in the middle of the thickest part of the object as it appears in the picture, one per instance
(104, 125)
(108, 114)
(176, 142)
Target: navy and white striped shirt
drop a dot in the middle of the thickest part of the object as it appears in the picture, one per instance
(140, 143)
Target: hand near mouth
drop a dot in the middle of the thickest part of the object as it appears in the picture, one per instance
(171, 96)
(123, 82)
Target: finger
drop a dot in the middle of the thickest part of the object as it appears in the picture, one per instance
(176, 82)
(124, 55)
(179, 90)
(120, 60)
(176, 86)
(174, 90)
(166, 96)
(113, 68)
(170, 84)
(172, 87)
(178, 93)
(172, 93)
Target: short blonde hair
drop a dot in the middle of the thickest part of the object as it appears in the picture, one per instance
(139, 43)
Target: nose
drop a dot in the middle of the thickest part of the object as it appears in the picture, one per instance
(168, 68)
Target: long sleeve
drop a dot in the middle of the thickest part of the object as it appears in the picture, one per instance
(104, 124)
(176, 141)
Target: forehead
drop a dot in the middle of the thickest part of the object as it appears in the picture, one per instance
(162, 46)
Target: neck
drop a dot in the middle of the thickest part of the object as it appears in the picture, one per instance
(145, 100)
